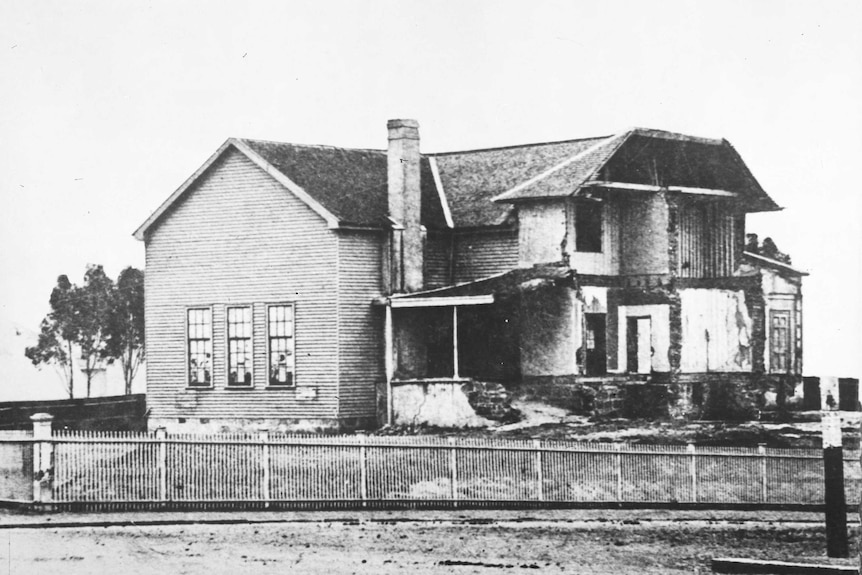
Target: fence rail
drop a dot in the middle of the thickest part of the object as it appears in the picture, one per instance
(102, 469)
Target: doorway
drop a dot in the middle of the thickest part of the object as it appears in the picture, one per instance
(638, 344)
(595, 342)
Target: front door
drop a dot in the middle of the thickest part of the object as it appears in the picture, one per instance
(638, 345)
(596, 361)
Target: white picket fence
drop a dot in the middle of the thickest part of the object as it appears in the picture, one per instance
(275, 470)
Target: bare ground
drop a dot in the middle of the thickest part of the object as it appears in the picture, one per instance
(612, 547)
(542, 421)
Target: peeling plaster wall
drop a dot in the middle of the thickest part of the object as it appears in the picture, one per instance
(606, 262)
(550, 332)
(659, 334)
(781, 294)
(542, 233)
(440, 404)
(716, 331)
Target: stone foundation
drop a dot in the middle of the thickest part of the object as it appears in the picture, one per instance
(728, 396)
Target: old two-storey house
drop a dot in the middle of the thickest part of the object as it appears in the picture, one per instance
(292, 286)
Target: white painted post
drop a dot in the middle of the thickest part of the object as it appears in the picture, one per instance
(761, 449)
(363, 471)
(264, 463)
(389, 361)
(540, 476)
(43, 458)
(456, 368)
(619, 470)
(693, 470)
(161, 436)
(453, 468)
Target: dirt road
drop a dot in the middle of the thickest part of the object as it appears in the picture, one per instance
(420, 548)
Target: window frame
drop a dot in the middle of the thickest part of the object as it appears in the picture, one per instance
(188, 350)
(250, 338)
(600, 211)
(787, 352)
(269, 339)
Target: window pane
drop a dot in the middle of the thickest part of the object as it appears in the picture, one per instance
(200, 346)
(281, 345)
(240, 355)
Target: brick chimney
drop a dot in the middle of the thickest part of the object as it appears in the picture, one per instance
(407, 255)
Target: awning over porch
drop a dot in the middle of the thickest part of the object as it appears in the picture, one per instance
(485, 290)
(414, 333)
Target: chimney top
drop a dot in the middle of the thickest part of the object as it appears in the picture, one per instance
(403, 129)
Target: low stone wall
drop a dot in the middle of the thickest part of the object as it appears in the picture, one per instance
(564, 391)
(733, 396)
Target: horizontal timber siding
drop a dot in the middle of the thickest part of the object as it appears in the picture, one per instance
(484, 253)
(240, 238)
(438, 248)
(360, 325)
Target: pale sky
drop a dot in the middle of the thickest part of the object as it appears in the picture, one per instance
(106, 107)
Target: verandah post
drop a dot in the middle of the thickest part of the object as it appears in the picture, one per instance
(389, 361)
(455, 361)
(161, 437)
(43, 458)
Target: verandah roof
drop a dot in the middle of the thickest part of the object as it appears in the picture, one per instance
(479, 291)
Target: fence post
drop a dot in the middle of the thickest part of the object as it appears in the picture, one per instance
(764, 494)
(693, 466)
(363, 471)
(264, 463)
(161, 436)
(453, 468)
(619, 470)
(833, 476)
(43, 458)
(540, 478)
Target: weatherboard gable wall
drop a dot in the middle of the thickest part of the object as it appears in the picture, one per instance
(239, 237)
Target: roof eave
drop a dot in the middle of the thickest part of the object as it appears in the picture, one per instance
(775, 264)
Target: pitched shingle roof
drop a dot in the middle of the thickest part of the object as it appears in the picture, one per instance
(649, 157)
(348, 186)
(349, 183)
(471, 179)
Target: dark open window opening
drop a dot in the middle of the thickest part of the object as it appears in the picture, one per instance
(588, 227)
(200, 347)
(239, 343)
(281, 345)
